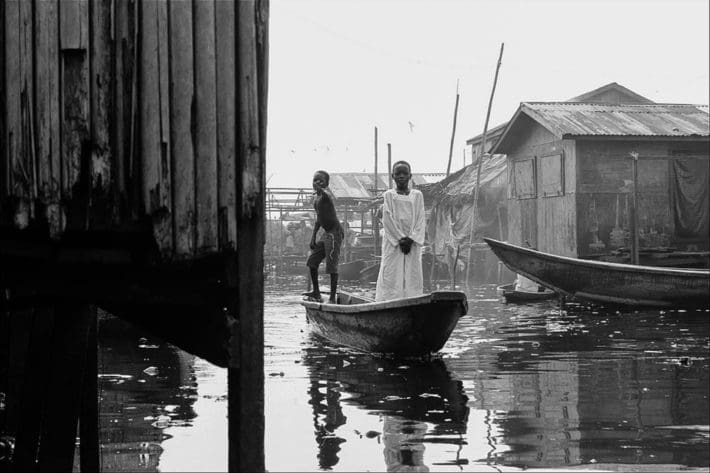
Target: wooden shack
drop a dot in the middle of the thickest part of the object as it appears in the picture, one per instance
(571, 180)
(132, 141)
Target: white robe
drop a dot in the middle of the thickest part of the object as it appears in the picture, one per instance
(401, 275)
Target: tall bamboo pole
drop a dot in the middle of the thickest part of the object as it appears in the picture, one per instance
(389, 164)
(478, 171)
(453, 130)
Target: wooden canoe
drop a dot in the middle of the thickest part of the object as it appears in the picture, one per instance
(415, 326)
(608, 283)
(518, 296)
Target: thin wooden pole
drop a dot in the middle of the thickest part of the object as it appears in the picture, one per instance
(634, 211)
(389, 164)
(453, 130)
(375, 223)
(478, 171)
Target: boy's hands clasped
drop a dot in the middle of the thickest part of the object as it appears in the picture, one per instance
(405, 245)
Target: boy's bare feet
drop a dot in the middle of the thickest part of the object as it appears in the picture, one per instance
(313, 295)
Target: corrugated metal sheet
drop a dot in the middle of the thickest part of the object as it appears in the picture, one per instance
(591, 119)
(460, 186)
(358, 186)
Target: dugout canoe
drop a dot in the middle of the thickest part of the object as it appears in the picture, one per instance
(608, 283)
(414, 326)
(518, 296)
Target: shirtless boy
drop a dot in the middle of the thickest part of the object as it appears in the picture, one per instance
(328, 247)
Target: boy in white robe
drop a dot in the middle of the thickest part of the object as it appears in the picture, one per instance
(403, 221)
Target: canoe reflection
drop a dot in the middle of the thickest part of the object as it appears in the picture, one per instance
(419, 401)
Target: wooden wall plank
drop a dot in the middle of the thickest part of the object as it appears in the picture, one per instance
(101, 175)
(181, 129)
(162, 221)
(149, 105)
(47, 112)
(73, 29)
(246, 371)
(226, 104)
(205, 126)
(12, 90)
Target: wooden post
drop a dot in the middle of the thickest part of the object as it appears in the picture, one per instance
(347, 231)
(478, 171)
(389, 164)
(246, 365)
(61, 410)
(453, 130)
(89, 456)
(375, 222)
(634, 210)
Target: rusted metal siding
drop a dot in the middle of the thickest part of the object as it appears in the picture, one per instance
(587, 119)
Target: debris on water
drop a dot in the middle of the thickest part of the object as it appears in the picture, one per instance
(114, 377)
(141, 380)
(142, 340)
(148, 347)
(425, 395)
(380, 369)
(170, 408)
(346, 363)
(161, 422)
(280, 373)
(403, 367)
(151, 371)
(371, 434)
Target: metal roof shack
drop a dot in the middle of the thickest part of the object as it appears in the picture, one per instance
(360, 185)
(571, 178)
(566, 119)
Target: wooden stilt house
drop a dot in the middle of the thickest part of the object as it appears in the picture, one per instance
(132, 141)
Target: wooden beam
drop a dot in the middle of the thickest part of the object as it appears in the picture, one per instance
(246, 371)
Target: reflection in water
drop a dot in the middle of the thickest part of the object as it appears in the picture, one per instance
(518, 386)
(583, 385)
(146, 386)
(419, 402)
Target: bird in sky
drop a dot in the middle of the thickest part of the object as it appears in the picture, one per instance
(411, 127)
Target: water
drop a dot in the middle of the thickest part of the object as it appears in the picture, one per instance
(515, 387)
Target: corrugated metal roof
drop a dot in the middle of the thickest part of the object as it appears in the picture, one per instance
(358, 185)
(460, 186)
(592, 119)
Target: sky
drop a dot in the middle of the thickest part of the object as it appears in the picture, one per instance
(340, 68)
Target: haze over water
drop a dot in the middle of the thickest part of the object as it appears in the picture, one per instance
(516, 387)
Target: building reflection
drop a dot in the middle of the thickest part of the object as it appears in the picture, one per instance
(574, 387)
(146, 385)
(418, 401)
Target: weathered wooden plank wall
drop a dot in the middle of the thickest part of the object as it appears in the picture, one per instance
(119, 110)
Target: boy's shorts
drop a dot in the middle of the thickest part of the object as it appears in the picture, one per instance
(328, 248)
